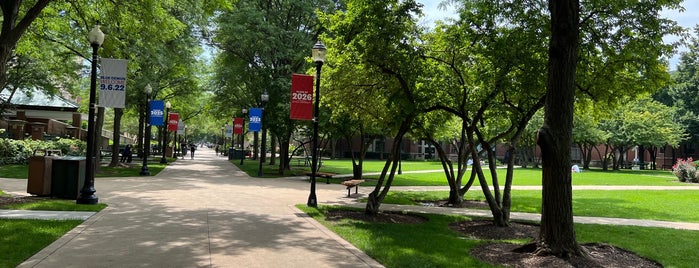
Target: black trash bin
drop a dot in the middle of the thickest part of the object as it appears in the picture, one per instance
(67, 177)
(232, 153)
(39, 179)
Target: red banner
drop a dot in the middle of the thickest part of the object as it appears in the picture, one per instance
(173, 119)
(237, 126)
(301, 97)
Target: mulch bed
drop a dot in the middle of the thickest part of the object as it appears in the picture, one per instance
(507, 254)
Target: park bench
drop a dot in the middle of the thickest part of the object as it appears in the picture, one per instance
(350, 184)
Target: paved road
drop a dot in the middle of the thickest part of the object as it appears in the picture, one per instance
(207, 213)
(201, 213)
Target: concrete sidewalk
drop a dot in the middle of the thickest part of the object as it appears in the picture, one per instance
(202, 213)
(206, 213)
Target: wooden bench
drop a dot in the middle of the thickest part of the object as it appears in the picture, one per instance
(350, 184)
(325, 175)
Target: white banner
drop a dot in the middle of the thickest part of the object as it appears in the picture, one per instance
(180, 127)
(113, 83)
(229, 131)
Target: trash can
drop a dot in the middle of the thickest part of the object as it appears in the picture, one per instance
(67, 177)
(39, 179)
(232, 153)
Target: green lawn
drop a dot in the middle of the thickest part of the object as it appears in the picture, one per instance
(433, 244)
(23, 238)
(677, 205)
(154, 166)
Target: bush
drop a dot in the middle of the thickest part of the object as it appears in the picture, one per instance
(685, 170)
(17, 152)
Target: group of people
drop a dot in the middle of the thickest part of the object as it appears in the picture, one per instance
(190, 146)
(127, 153)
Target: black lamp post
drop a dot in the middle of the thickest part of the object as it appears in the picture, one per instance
(263, 153)
(87, 193)
(146, 143)
(318, 57)
(242, 139)
(163, 160)
(223, 139)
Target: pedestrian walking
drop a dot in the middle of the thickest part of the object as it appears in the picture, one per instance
(183, 148)
(126, 155)
(192, 148)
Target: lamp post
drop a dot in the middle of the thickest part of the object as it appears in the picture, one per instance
(223, 139)
(146, 143)
(163, 160)
(242, 139)
(87, 193)
(318, 57)
(264, 98)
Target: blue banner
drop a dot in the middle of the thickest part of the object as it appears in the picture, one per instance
(255, 119)
(157, 112)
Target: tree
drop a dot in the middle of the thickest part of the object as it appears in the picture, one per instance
(587, 134)
(262, 44)
(17, 16)
(382, 36)
(557, 235)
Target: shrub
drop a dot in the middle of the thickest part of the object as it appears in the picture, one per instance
(19, 151)
(685, 170)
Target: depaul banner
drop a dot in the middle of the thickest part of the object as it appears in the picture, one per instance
(113, 83)
(180, 127)
(301, 97)
(157, 112)
(255, 119)
(229, 131)
(173, 121)
(238, 125)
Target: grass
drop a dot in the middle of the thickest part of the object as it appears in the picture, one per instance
(433, 244)
(23, 238)
(56, 205)
(665, 205)
(154, 166)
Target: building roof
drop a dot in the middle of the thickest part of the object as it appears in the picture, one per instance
(39, 100)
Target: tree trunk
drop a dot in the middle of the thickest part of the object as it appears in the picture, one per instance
(557, 235)
(273, 150)
(378, 194)
(99, 125)
(118, 112)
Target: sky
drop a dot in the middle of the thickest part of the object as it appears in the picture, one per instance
(688, 19)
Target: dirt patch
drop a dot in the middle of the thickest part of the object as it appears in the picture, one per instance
(516, 255)
(7, 200)
(383, 217)
(486, 230)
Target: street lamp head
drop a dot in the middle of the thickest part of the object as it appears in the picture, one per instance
(96, 36)
(319, 52)
(148, 89)
(168, 105)
(245, 111)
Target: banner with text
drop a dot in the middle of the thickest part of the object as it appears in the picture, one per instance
(301, 97)
(229, 131)
(173, 121)
(113, 83)
(237, 125)
(255, 119)
(180, 126)
(157, 112)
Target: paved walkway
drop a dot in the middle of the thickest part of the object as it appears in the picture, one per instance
(201, 213)
(207, 213)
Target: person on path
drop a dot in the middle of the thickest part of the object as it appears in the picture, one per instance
(183, 147)
(126, 155)
(216, 149)
(192, 148)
